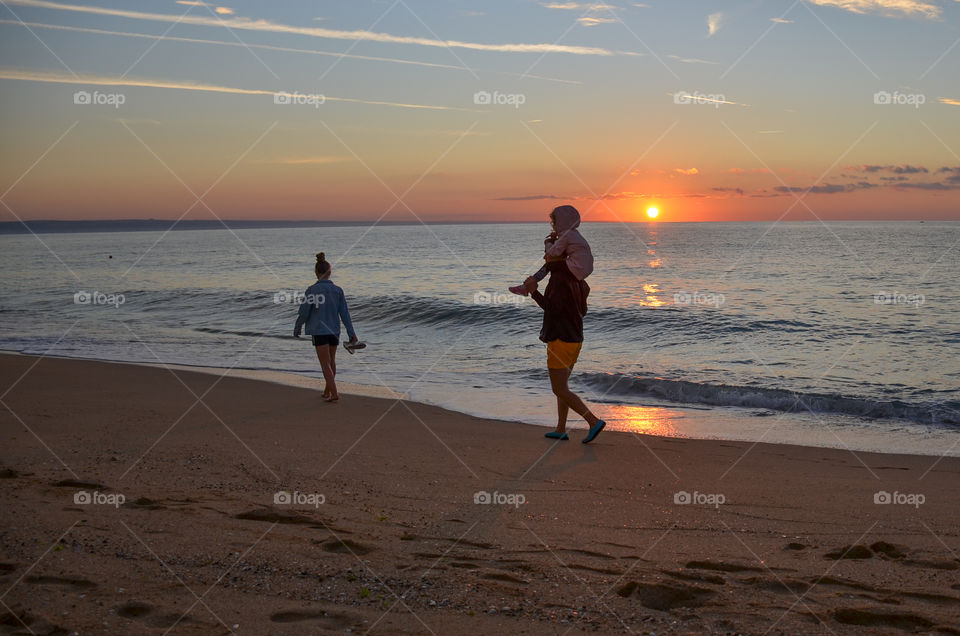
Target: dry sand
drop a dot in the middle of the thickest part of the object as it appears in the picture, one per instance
(200, 545)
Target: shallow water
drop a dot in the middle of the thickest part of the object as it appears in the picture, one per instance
(846, 332)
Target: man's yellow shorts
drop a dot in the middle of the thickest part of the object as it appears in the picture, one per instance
(562, 355)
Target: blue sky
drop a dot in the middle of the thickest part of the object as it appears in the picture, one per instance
(709, 110)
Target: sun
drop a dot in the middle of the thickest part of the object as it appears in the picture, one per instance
(653, 212)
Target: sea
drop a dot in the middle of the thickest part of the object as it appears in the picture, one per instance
(838, 334)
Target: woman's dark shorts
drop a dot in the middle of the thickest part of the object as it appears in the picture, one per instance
(331, 340)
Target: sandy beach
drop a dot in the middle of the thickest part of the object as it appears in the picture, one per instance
(143, 500)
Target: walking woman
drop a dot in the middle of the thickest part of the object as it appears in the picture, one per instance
(564, 305)
(323, 308)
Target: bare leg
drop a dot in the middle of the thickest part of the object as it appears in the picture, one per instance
(326, 390)
(558, 382)
(330, 390)
(333, 359)
(562, 410)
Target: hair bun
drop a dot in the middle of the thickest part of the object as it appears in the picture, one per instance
(321, 258)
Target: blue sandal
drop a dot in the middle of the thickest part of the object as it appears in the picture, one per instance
(556, 435)
(594, 431)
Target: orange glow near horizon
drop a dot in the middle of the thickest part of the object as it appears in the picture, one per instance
(646, 420)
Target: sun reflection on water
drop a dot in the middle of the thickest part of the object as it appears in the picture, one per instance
(647, 420)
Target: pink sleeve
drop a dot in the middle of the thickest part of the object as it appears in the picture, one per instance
(559, 247)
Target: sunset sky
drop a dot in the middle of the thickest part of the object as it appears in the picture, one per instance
(480, 111)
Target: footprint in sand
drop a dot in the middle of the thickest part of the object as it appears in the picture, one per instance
(16, 620)
(849, 552)
(587, 568)
(463, 565)
(889, 550)
(875, 618)
(781, 586)
(933, 565)
(695, 576)
(76, 483)
(663, 597)
(829, 580)
(346, 546)
(721, 566)
(68, 581)
(150, 616)
(269, 515)
(321, 619)
(142, 503)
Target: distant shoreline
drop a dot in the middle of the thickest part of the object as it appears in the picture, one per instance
(164, 225)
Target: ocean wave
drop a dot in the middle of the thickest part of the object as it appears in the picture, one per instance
(524, 314)
(512, 314)
(686, 392)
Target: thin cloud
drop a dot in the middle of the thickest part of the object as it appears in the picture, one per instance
(950, 101)
(904, 169)
(687, 171)
(887, 8)
(714, 22)
(935, 185)
(781, 21)
(265, 47)
(197, 3)
(268, 47)
(304, 161)
(954, 173)
(690, 60)
(95, 80)
(578, 6)
(318, 32)
(829, 188)
(531, 197)
(592, 21)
